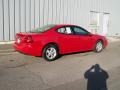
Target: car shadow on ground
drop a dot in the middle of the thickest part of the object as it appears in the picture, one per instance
(96, 78)
(84, 53)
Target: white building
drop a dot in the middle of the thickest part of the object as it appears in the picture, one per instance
(98, 16)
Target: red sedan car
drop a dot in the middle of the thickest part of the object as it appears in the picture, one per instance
(50, 41)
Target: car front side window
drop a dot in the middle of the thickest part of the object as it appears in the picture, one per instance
(78, 30)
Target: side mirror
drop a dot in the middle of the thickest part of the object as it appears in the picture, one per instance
(89, 34)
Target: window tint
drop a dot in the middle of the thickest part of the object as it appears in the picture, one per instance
(78, 30)
(65, 30)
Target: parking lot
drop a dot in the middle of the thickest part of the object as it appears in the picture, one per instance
(23, 72)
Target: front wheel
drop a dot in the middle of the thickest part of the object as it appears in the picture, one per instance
(99, 46)
(50, 53)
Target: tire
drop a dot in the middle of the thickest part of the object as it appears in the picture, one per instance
(50, 53)
(98, 46)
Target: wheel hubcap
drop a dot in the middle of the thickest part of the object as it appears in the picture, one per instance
(99, 46)
(51, 53)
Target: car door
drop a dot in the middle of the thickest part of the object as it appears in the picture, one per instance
(68, 42)
(83, 38)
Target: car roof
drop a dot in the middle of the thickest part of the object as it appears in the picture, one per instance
(65, 25)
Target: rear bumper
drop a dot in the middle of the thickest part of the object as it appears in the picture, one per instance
(28, 49)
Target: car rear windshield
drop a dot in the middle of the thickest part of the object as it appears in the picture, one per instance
(42, 29)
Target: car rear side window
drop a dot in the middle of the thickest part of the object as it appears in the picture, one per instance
(65, 30)
(61, 30)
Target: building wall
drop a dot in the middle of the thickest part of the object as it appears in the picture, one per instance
(24, 15)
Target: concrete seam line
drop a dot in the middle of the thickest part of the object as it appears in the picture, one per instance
(7, 42)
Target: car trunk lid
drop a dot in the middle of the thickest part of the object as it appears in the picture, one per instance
(24, 37)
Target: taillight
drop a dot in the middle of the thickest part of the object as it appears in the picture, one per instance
(17, 39)
(28, 39)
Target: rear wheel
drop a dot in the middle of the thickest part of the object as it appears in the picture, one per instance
(99, 46)
(50, 52)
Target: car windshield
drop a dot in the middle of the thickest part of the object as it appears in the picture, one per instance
(42, 29)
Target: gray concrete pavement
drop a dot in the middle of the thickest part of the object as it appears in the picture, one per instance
(22, 72)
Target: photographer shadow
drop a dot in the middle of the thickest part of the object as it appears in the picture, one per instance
(97, 78)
